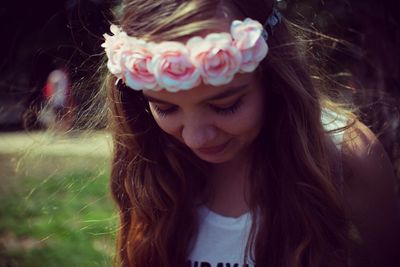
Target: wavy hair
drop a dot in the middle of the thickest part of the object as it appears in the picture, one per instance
(298, 215)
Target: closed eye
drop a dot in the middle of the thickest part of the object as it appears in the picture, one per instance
(165, 111)
(228, 110)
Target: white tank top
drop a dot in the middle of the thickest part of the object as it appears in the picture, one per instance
(221, 241)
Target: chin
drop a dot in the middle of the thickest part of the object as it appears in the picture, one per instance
(234, 152)
(217, 158)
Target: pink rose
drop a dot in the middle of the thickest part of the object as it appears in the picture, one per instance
(114, 45)
(248, 39)
(172, 67)
(216, 58)
(136, 59)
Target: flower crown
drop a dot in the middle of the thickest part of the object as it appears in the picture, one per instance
(174, 66)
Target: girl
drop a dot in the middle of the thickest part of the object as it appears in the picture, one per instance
(225, 151)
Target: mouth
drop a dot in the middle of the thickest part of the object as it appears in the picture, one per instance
(213, 149)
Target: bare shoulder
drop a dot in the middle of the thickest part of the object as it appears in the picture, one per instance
(369, 192)
(367, 165)
(365, 155)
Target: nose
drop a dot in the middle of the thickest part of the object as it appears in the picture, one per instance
(198, 132)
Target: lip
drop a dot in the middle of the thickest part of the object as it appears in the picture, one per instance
(213, 149)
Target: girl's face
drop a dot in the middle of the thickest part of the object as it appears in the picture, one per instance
(217, 123)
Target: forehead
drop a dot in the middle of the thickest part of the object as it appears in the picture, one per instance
(201, 92)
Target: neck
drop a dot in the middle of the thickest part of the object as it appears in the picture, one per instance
(229, 183)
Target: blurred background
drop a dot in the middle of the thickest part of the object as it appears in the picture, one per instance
(55, 207)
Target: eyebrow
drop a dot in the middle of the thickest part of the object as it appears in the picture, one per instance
(231, 91)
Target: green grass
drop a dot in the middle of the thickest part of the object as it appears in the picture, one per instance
(60, 220)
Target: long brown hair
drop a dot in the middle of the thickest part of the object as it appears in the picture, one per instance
(157, 182)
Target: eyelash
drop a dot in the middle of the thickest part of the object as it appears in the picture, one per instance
(229, 110)
(220, 111)
(165, 112)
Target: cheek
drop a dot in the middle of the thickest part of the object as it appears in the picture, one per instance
(169, 124)
(248, 119)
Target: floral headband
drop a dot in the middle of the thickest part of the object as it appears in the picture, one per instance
(174, 66)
